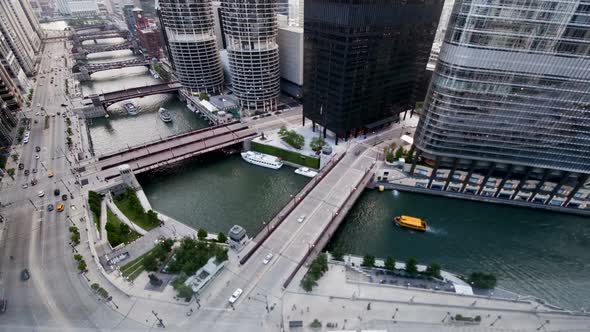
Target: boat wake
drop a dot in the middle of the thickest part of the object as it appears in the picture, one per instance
(435, 230)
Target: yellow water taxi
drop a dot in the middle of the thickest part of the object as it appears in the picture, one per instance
(411, 222)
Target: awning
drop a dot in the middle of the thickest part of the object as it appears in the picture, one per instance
(407, 139)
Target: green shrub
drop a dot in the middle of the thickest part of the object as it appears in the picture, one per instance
(292, 138)
(368, 261)
(221, 238)
(201, 234)
(412, 266)
(317, 143)
(433, 270)
(291, 156)
(390, 263)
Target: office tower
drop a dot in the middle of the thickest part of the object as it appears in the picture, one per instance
(10, 64)
(440, 33)
(251, 41)
(364, 61)
(20, 35)
(190, 40)
(510, 95)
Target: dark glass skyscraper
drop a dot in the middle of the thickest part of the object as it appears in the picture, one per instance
(510, 95)
(364, 60)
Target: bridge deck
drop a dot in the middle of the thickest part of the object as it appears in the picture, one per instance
(116, 96)
(157, 160)
(167, 144)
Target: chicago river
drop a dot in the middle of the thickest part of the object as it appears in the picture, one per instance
(531, 252)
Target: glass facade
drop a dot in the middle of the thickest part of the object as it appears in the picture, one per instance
(512, 86)
(365, 60)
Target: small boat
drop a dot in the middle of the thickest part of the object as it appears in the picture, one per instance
(411, 223)
(262, 159)
(306, 172)
(130, 108)
(164, 115)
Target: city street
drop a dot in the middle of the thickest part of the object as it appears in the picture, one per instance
(56, 295)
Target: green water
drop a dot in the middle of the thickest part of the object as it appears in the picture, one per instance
(217, 192)
(532, 252)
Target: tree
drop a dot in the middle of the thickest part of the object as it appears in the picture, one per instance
(315, 324)
(433, 270)
(317, 143)
(184, 292)
(308, 283)
(124, 229)
(150, 263)
(151, 215)
(482, 280)
(204, 96)
(221, 255)
(390, 263)
(221, 238)
(94, 286)
(337, 254)
(14, 156)
(282, 131)
(411, 266)
(410, 154)
(399, 153)
(10, 172)
(78, 257)
(82, 265)
(75, 238)
(202, 234)
(292, 138)
(368, 261)
(69, 141)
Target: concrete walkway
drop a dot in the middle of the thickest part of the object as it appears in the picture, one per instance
(103, 221)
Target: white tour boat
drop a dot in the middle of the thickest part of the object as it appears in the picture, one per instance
(262, 159)
(306, 172)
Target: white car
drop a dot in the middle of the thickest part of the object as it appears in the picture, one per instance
(234, 297)
(267, 259)
(25, 140)
(38, 104)
(36, 156)
(301, 219)
(27, 134)
(25, 186)
(37, 113)
(41, 193)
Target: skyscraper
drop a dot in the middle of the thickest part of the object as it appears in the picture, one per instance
(190, 38)
(510, 95)
(20, 33)
(364, 60)
(251, 41)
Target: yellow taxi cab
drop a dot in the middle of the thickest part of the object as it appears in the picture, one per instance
(60, 207)
(50, 174)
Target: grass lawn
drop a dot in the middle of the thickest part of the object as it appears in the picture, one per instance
(114, 233)
(133, 212)
(135, 267)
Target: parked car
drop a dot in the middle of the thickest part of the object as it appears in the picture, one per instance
(37, 148)
(33, 182)
(41, 193)
(50, 207)
(56, 192)
(64, 197)
(26, 172)
(50, 174)
(21, 166)
(60, 207)
(25, 186)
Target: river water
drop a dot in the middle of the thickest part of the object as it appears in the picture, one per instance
(532, 252)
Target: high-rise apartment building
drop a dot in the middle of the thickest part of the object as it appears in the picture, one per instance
(10, 102)
(510, 96)
(20, 32)
(190, 42)
(364, 61)
(250, 29)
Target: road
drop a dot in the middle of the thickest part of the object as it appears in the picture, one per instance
(56, 295)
